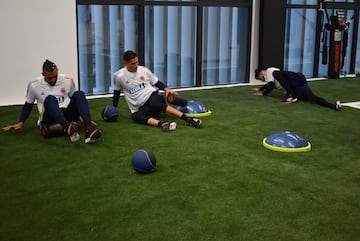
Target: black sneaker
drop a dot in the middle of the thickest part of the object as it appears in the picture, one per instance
(194, 122)
(168, 126)
(91, 134)
(72, 131)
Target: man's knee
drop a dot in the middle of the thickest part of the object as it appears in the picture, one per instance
(50, 100)
(158, 104)
(139, 117)
(79, 94)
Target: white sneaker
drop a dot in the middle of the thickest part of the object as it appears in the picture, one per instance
(168, 126)
(290, 99)
(294, 99)
(75, 137)
(338, 105)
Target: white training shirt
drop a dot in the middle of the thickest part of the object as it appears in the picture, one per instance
(270, 78)
(38, 89)
(136, 86)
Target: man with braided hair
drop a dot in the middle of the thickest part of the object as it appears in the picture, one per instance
(141, 90)
(59, 104)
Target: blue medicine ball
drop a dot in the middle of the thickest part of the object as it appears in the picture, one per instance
(144, 161)
(110, 113)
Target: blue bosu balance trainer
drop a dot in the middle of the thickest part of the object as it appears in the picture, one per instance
(194, 109)
(286, 142)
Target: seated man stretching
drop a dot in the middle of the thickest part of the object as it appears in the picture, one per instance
(58, 102)
(144, 100)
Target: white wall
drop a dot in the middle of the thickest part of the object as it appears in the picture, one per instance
(32, 31)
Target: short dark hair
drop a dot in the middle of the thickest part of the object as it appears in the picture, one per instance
(48, 66)
(257, 72)
(129, 55)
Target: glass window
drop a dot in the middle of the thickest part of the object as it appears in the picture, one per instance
(346, 1)
(170, 37)
(103, 34)
(300, 40)
(170, 0)
(225, 45)
(311, 2)
(168, 43)
(357, 63)
(347, 36)
(308, 2)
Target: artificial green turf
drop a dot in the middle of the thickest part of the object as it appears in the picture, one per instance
(214, 183)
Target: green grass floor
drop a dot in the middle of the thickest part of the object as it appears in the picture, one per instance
(215, 183)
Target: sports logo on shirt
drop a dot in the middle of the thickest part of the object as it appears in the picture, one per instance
(137, 88)
(142, 78)
(60, 99)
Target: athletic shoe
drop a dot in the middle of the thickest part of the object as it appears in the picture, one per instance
(168, 126)
(194, 122)
(72, 131)
(286, 99)
(294, 99)
(290, 99)
(338, 105)
(91, 134)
